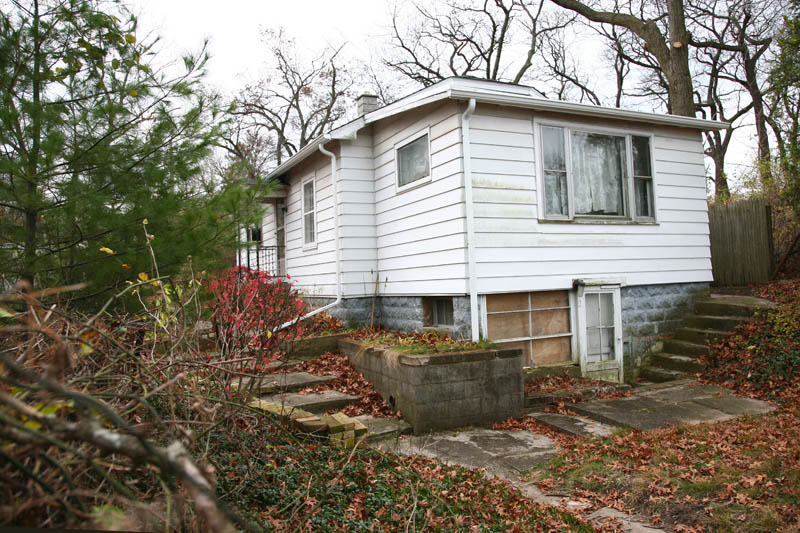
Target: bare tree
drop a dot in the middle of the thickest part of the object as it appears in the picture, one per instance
(744, 30)
(490, 39)
(563, 71)
(667, 44)
(716, 103)
(297, 99)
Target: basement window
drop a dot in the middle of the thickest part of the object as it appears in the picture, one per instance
(437, 313)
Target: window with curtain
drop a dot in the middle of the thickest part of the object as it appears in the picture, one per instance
(592, 174)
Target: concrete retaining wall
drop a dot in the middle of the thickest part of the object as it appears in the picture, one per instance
(443, 390)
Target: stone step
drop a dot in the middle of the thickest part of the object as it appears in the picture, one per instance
(661, 375)
(690, 349)
(719, 323)
(682, 363)
(289, 381)
(577, 426)
(720, 305)
(700, 336)
(379, 429)
(316, 402)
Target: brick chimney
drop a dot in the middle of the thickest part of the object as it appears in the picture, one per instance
(366, 103)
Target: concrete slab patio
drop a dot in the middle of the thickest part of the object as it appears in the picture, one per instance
(504, 454)
(671, 404)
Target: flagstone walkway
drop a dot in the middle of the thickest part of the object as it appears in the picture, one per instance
(507, 454)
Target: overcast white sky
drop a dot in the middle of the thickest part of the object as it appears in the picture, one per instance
(237, 54)
(234, 29)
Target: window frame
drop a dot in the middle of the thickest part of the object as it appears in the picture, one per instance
(571, 312)
(436, 319)
(313, 244)
(616, 364)
(628, 183)
(251, 232)
(402, 144)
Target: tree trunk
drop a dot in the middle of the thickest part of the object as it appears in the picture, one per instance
(32, 192)
(681, 98)
(764, 152)
(721, 190)
(672, 56)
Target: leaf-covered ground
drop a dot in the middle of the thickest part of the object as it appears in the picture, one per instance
(739, 475)
(349, 381)
(294, 486)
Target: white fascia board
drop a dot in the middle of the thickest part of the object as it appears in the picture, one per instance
(558, 106)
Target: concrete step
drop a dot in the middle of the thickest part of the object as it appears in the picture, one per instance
(719, 323)
(681, 363)
(660, 375)
(316, 402)
(290, 381)
(721, 305)
(690, 349)
(700, 336)
(577, 426)
(379, 429)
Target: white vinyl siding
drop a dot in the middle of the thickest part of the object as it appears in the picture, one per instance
(517, 252)
(421, 232)
(413, 242)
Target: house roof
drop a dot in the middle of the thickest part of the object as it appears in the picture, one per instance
(491, 92)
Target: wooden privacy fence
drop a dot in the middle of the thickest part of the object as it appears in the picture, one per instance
(742, 250)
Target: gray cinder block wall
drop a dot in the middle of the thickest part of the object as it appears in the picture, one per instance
(652, 311)
(648, 312)
(443, 390)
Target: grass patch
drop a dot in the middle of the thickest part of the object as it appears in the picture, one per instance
(430, 342)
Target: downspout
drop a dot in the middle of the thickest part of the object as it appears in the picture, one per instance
(471, 269)
(334, 185)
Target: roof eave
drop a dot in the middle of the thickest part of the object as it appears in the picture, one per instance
(587, 110)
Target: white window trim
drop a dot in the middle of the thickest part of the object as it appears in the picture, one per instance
(630, 199)
(310, 245)
(421, 181)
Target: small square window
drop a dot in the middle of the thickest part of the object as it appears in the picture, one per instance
(253, 234)
(443, 312)
(413, 161)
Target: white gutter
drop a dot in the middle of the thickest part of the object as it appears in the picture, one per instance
(334, 185)
(470, 208)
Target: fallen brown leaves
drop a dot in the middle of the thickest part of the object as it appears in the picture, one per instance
(527, 423)
(349, 381)
(573, 389)
(742, 474)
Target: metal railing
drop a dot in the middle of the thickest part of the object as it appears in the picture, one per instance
(264, 258)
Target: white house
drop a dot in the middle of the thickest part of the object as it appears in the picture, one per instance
(571, 231)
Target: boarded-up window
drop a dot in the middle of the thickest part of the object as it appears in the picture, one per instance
(536, 322)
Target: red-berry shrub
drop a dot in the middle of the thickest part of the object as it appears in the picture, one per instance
(247, 309)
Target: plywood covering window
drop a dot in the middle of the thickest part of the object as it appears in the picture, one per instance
(536, 322)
